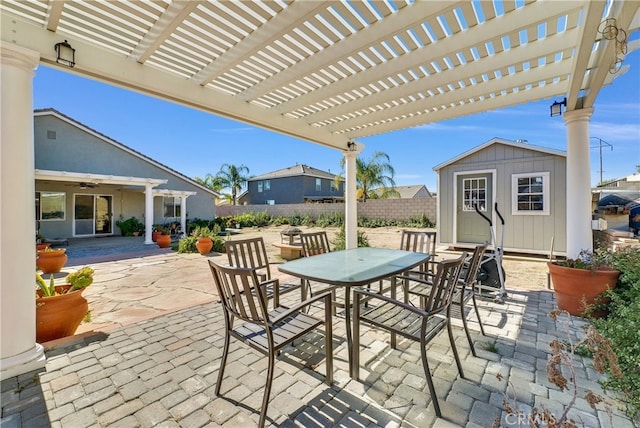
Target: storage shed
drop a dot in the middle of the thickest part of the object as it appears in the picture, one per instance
(527, 182)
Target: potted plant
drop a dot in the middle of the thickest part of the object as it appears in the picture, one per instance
(204, 236)
(579, 283)
(164, 239)
(51, 260)
(157, 231)
(130, 226)
(61, 308)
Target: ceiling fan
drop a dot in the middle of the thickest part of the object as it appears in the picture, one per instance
(84, 185)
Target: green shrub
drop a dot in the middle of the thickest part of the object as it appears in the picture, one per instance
(622, 328)
(130, 225)
(188, 245)
(339, 241)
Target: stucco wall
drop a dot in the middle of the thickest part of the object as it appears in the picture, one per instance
(400, 209)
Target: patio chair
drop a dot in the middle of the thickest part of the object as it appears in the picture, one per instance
(465, 291)
(419, 324)
(314, 243)
(251, 253)
(420, 242)
(243, 298)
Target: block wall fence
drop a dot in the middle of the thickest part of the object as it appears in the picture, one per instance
(396, 209)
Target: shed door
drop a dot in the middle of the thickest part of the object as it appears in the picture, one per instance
(473, 189)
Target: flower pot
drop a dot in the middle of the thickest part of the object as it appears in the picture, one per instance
(59, 316)
(576, 289)
(43, 246)
(204, 245)
(154, 236)
(51, 261)
(163, 241)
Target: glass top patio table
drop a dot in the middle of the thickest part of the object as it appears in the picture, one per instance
(354, 267)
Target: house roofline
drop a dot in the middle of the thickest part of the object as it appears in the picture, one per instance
(105, 138)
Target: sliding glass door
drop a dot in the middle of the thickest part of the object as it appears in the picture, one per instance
(92, 215)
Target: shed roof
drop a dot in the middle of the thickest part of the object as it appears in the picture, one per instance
(502, 141)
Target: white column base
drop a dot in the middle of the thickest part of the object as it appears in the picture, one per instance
(33, 359)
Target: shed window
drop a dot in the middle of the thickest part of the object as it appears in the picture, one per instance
(475, 192)
(530, 194)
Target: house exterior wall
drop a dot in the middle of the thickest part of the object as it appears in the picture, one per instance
(74, 150)
(522, 233)
(291, 190)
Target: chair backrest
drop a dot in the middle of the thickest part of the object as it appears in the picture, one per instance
(471, 268)
(249, 253)
(240, 292)
(444, 284)
(314, 243)
(418, 242)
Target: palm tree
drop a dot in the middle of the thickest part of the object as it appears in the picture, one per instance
(233, 177)
(376, 172)
(210, 182)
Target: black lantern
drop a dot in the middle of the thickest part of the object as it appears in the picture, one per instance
(65, 54)
(556, 107)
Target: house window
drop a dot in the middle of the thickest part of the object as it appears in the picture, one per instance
(267, 184)
(334, 187)
(260, 184)
(318, 185)
(530, 194)
(52, 205)
(474, 192)
(172, 206)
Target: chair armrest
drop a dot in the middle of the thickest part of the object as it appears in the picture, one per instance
(373, 295)
(296, 308)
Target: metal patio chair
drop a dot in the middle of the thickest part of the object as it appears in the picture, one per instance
(314, 243)
(465, 291)
(420, 242)
(419, 324)
(251, 253)
(243, 298)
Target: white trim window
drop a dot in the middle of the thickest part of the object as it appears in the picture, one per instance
(52, 205)
(530, 193)
(172, 206)
(474, 192)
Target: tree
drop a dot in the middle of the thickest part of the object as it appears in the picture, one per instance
(233, 177)
(210, 182)
(377, 172)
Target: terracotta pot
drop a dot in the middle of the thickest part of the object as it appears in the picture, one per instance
(59, 316)
(204, 245)
(163, 241)
(51, 261)
(43, 246)
(576, 289)
(154, 236)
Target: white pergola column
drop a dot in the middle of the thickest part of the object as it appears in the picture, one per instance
(148, 213)
(579, 234)
(183, 214)
(350, 201)
(19, 352)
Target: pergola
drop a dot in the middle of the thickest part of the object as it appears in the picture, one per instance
(327, 72)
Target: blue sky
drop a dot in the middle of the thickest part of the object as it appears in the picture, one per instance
(197, 143)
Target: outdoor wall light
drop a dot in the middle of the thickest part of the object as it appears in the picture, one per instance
(352, 146)
(65, 54)
(556, 107)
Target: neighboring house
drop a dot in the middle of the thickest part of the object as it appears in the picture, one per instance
(294, 185)
(628, 186)
(86, 182)
(527, 182)
(408, 192)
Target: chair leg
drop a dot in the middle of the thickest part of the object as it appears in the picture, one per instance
(225, 352)
(466, 329)
(267, 389)
(454, 348)
(427, 374)
(475, 306)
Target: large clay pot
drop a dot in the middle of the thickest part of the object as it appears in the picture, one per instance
(204, 245)
(154, 236)
(51, 261)
(576, 289)
(43, 246)
(59, 316)
(163, 241)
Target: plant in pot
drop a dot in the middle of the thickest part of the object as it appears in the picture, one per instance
(130, 226)
(61, 308)
(156, 231)
(164, 239)
(51, 260)
(204, 237)
(579, 283)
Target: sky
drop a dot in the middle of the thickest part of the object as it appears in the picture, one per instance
(197, 143)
